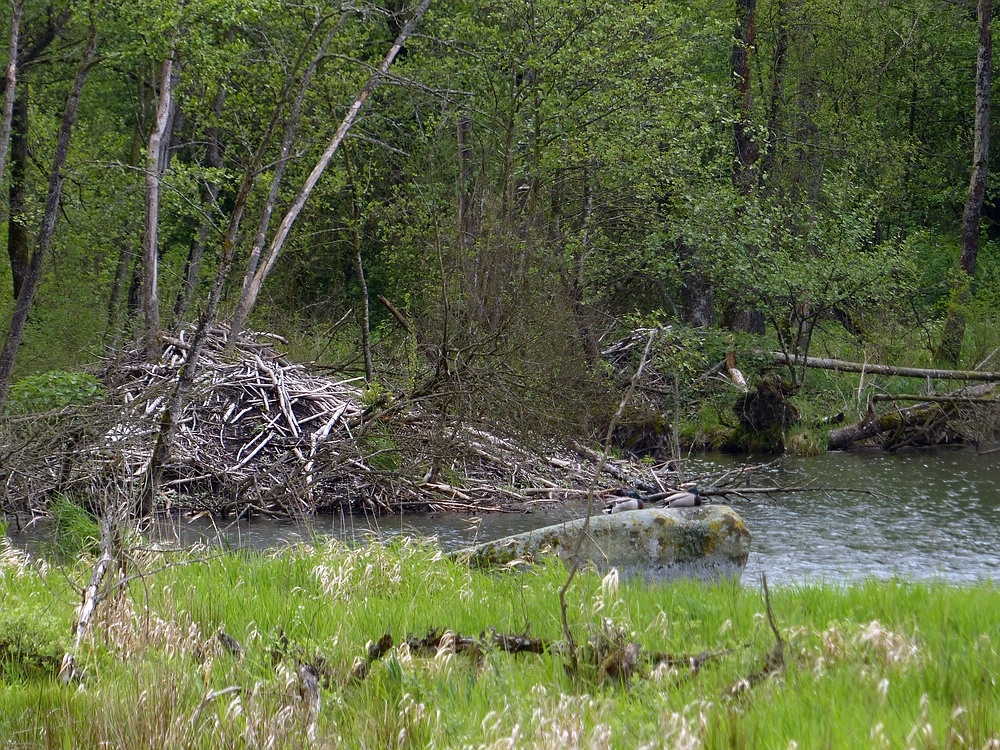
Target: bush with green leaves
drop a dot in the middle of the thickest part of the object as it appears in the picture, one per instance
(31, 643)
(53, 390)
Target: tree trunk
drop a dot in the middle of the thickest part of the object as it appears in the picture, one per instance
(465, 153)
(591, 351)
(954, 330)
(840, 365)
(739, 316)
(18, 242)
(294, 116)
(126, 266)
(24, 300)
(252, 285)
(779, 61)
(168, 424)
(213, 160)
(697, 295)
(150, 238)
(11, 87)
(747, 148)
(359, 268)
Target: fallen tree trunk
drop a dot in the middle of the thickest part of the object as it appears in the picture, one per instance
(91, 598)
(928, 416)
(937, 399)
(922, 416)
(871, 369)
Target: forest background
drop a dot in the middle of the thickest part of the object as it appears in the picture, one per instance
(530, 181)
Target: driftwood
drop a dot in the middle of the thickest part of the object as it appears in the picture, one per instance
(872, 369)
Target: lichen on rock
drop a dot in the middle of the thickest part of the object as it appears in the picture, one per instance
(658, 544)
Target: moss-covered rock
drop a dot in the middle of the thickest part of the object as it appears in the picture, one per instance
(659, 544)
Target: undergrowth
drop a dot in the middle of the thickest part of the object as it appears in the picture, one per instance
(209, 650)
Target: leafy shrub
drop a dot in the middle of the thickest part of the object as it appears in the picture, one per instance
(53, 390)
(31, 644)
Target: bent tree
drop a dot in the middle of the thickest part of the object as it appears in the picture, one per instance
(168, 424)
(255, 279)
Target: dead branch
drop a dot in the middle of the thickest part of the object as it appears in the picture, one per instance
(91, 598)
(936, 399)
(872, 369)
(376, 650)
(924, 421)
(774, 660)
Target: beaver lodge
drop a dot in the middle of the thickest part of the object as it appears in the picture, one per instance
(261, 434)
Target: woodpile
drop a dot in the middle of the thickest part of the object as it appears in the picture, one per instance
(261, 434)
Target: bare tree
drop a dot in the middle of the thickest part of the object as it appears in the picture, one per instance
(168, 425)
(48, 226)
(150, 239)
(954, 330)
(255, 280)
(294, 116)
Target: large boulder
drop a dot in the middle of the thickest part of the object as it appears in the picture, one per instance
(659, 544)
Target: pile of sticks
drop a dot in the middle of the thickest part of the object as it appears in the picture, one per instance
(262, 434)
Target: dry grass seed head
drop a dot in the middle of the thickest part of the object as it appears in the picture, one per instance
(894, 649)
(685, 730)
(18, 562)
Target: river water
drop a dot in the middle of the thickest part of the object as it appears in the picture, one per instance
(934, 515)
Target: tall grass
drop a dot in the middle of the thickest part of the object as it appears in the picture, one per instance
(878, 664)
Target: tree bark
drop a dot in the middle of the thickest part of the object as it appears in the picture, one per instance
(779, 61)
(745, 165)
(213, 160)
(253, 284)
(747, 148)
(150, 238)
(34, 275)
(359, 268)
(10, 82)
(125, 270)
(465, 153)
(954, 330)
(697, 294)
(294, 116)
(18, 242)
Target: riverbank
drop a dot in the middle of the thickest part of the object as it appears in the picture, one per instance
(214, 649)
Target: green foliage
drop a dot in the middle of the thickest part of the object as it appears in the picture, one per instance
(883, 661)
(76, 531)
(805, 441)
(598, 176)
(32, 643)
(379, 447)
(53, 390)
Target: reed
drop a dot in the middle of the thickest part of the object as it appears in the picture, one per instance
(875, 664)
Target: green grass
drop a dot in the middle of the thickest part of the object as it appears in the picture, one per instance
(879, 664)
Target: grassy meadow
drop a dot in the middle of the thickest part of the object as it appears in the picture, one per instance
(878, 664)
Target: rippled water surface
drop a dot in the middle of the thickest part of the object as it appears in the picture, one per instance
(934, 516)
